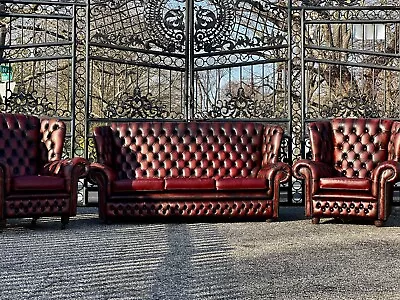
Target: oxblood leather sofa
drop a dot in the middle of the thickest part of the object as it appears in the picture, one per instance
(188, 169)
(34, 180)
(353, 169)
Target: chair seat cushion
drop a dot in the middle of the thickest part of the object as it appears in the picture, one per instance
(344, 183)
(189, 184)
(36, 183)
(343, 195)
(241, 184)
(142, 184)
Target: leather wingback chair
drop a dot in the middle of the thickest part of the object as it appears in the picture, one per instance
(34, 179)
(353, 169)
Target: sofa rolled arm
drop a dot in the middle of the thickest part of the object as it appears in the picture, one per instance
(102, 176)
(280, 171)
(275, 174)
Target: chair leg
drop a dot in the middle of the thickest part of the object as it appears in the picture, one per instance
(378, 223)
(315, 220)
(64, 221)
(33, 222)
(270, 220)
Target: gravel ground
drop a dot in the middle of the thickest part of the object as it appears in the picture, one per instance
(289, 259)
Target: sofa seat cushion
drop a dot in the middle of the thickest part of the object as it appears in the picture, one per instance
(142, 184)
(189, 184)
(241, 184)
(344, 183)
(35, 183)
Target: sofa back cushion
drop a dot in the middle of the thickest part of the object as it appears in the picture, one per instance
(359, 145)
(105, 142)
(321, 140)
(19, 143)
(188, 149)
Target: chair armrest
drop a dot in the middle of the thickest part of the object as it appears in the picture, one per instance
(5, 180)
(102, 176)
(66, 168)
(309, 169)
(385, 172)
(69, 169)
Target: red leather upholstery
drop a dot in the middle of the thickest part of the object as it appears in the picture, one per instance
(340, 183)
(199, 163)
(36, 180)
(353, 168)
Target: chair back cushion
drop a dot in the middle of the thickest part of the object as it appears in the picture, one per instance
(52, 137)
(359, 145)
(186, 149)
(394, 144)
(19, 143)
(271, 144)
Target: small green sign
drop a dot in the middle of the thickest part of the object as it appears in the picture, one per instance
(6, 73)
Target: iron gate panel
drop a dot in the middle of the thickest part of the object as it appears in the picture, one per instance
(270, 61)
(350, 65)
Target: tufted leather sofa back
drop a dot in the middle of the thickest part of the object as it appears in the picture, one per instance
(104, 141)
(321, 141)
(186, 149)
(52, 137)
(19, 143)
(359, 145)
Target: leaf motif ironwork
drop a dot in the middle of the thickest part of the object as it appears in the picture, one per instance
(27, 103)
(136, 106)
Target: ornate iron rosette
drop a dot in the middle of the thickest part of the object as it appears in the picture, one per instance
(135, 106)
(165, 21)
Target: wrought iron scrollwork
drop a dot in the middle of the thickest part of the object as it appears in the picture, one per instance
(135, 106)
(213, 23)
(347, 107)
(27, 103)
(331, 2)
(166, 25)
(240, 106)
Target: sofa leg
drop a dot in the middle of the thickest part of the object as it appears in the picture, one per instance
(378, 223)
(3, 223)
(315, 220)
(107, 221)
(64, 221)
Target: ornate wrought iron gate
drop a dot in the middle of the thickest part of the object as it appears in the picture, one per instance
(288, 62)
(348, 57)
(191, 60)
